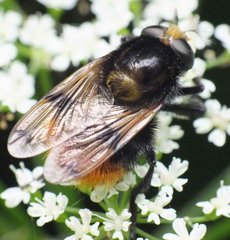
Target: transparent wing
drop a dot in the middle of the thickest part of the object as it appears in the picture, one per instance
(72, 106)
(88, 149)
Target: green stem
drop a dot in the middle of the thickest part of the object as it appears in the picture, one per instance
(44, 82)
(145, 234)
(72, 210)
(56, 13)
(24, 51)
(205, 218)
(103, 206)
(102, 234)
(11, 5)
(222, 60)
(124, 199)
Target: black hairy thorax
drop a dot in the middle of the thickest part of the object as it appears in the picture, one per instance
(144, 71)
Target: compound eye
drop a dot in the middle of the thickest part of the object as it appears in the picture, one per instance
(184, 52)
(153, 31)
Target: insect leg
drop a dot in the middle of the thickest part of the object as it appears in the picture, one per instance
(142, 187)
(190, 110)
(198, 88)
(194, 107)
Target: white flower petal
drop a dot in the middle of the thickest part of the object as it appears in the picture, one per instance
(86, 216)
(58, 4)
(72, 237)
(98, 193)
(73, 223)
(198, 231)
(171, 236)
(94, 229)
(13, 197)
(217, 137)
(153, 217)
(118, 235)
(169, 214)
(43, 220)
(141, 170)
(8, 52)
(179, 227)
(35, 210)
(178, 184)
(202, 125)
(207, 207)
(60, 63)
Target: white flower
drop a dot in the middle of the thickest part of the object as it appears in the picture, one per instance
(8, 52)
(101, 192)
(59, 4)
(197, 71)
(77, 44)
(221, 203)
(17, 87)
(165, 9)
(205, 30)
(117, 223)
(216, 120)
(209, 88)
(112, 15)
(179, 226)
(222, 33)
(129, 180)
(202, 32)
(141, 170)
(170, 177)
(28, 182)
(155, 209)
(9, 26)
(82, 230)
(167, 134)
(49, 209)
(38, 31)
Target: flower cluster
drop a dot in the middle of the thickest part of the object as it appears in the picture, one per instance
(169, 178)
(166, 136)
(179, 226)
(216, 120)
(87, 224)
(49, 209)
(58, 4)
(155, 208)
(28, 182)
(221, 203)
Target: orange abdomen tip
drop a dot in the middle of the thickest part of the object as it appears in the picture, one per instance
(105, 175)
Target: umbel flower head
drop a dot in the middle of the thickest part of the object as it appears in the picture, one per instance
(83, 230)
(220, 203)
(156, 209)
(49, 209)
(28, 182)
(216, 120)
(169, 178)
(179, 226)
(117, 223)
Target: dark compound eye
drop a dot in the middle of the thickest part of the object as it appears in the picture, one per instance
(184, 52)
(179, 45)
(153, 31)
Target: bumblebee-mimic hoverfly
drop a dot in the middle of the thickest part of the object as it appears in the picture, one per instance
(97, 121)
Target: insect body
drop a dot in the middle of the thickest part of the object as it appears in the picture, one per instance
(97, 121)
